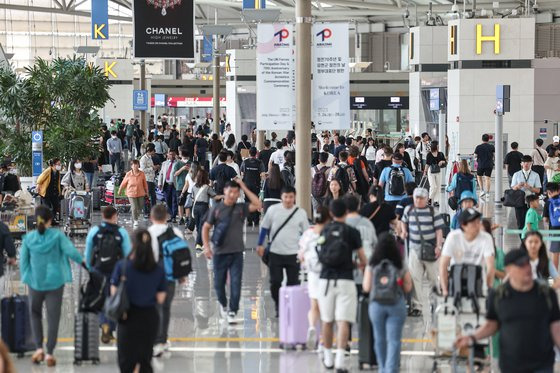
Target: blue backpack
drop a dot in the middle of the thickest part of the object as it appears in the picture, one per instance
(175, 255)
(464, 182)
(554, 212)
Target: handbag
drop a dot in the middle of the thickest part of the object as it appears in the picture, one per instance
(266, 255)
(427, 249)
(453, 202)
(514, 198)
(221, 229)
(117, 305)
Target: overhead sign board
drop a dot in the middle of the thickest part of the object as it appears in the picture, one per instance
(160, 100)
(100, 19)
(378, 103)
(163, 29)
(140, 100)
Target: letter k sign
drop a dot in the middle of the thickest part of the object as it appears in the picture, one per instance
(98, 31)
(109, 69)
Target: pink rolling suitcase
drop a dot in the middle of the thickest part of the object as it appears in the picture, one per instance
(293, 309)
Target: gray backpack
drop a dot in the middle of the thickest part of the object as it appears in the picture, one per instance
(386, 289)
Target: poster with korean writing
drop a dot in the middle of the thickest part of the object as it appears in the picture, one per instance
(331, 78)
(275, 77)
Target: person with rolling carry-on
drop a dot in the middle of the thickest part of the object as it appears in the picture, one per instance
(106, 244)
(387, 280)
(45, 269)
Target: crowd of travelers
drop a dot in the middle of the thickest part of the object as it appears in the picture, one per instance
(378, 232)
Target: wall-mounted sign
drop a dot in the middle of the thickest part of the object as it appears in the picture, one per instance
(378, 103)
(160, 100)
(163, 29)
(491, 38)
(100, 19)
(140, 100)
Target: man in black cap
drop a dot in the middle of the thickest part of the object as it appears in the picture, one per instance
(468, 245)
(526, 313)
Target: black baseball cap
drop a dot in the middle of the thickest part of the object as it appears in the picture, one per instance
(469, 215)
(517, 257)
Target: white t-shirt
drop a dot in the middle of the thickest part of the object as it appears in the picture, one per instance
(191, 182)
(278, 158)
(462, 251)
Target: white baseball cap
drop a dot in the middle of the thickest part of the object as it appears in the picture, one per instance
(556, 139)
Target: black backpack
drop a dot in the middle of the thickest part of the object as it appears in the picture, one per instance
(341, 175)
(92, 294)
(332, 249)
(361, 182)
(396, 181)
(386, 289)
(464, 182)
(252, 175)
(288, 176)
(107, 249)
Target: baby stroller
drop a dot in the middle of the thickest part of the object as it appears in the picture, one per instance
(79, 215)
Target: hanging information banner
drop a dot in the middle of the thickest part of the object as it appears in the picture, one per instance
(163, 29)
(100, 19)
(331, 78)
(275, 77)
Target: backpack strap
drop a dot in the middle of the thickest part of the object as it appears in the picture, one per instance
(471, 287)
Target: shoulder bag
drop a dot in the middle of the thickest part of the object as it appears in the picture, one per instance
(266, 256)
(375, 212)
(117, 305)
(221, 229)
(427, 249)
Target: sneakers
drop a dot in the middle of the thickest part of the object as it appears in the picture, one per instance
(199, 249)
(106, 334)
(159, 349)
(482, 194)
(223, 312)
(167, 346)
(231, 317)
(135, 224)
(311, 339)
(340, 363)
(182, 221)
(328, 359)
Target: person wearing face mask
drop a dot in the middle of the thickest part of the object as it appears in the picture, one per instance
(48, 186)
(11, 179)
(76, 178)
(527, 181)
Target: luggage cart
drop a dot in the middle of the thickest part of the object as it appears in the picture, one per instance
(113, 198)
(19, 222)
(78, 219)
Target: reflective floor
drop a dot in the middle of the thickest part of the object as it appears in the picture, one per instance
(201, 343)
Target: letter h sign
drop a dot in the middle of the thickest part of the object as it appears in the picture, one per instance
(495, 38)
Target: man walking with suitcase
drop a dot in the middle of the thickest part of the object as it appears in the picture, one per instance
(106, 244)
(283, 223)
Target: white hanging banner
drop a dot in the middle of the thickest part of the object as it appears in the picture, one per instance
(331, 78)
(275, 77)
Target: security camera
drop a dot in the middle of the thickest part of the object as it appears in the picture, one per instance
(455, 8)
(406, 13)
(535, 7)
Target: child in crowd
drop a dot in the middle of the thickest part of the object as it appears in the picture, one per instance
(532, 217)
(467, 200)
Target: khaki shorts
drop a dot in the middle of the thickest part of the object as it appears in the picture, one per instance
(340, 302)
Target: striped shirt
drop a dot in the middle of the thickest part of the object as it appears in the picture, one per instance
(428, 221)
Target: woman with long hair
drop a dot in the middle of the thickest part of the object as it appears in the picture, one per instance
(435, 161)
(551, 163)
(230, 143)
(308, 256)
(76, 177)
(272, 187)
(45, 269)
(201, 194)
(369, 151)
(186, 195)
(462, 181)
(145, 287)
(334, 191)
(387, 319)
(542, 267)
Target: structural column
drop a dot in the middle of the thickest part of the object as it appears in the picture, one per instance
(216, 89)
(260, 140)
(143, 121)
(303, 104)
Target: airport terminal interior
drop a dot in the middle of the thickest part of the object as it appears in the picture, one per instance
(459, 72)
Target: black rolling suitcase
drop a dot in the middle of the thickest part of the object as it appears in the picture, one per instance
(447, 221)
(16, 324)
(366, 355)
(86, 338)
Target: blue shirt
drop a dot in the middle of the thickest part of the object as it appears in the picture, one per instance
(384, 179)
(141, 287)
(533, 180)
(88, 253)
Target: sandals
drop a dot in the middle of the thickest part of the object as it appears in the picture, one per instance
(37, 357)
(51, 361)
